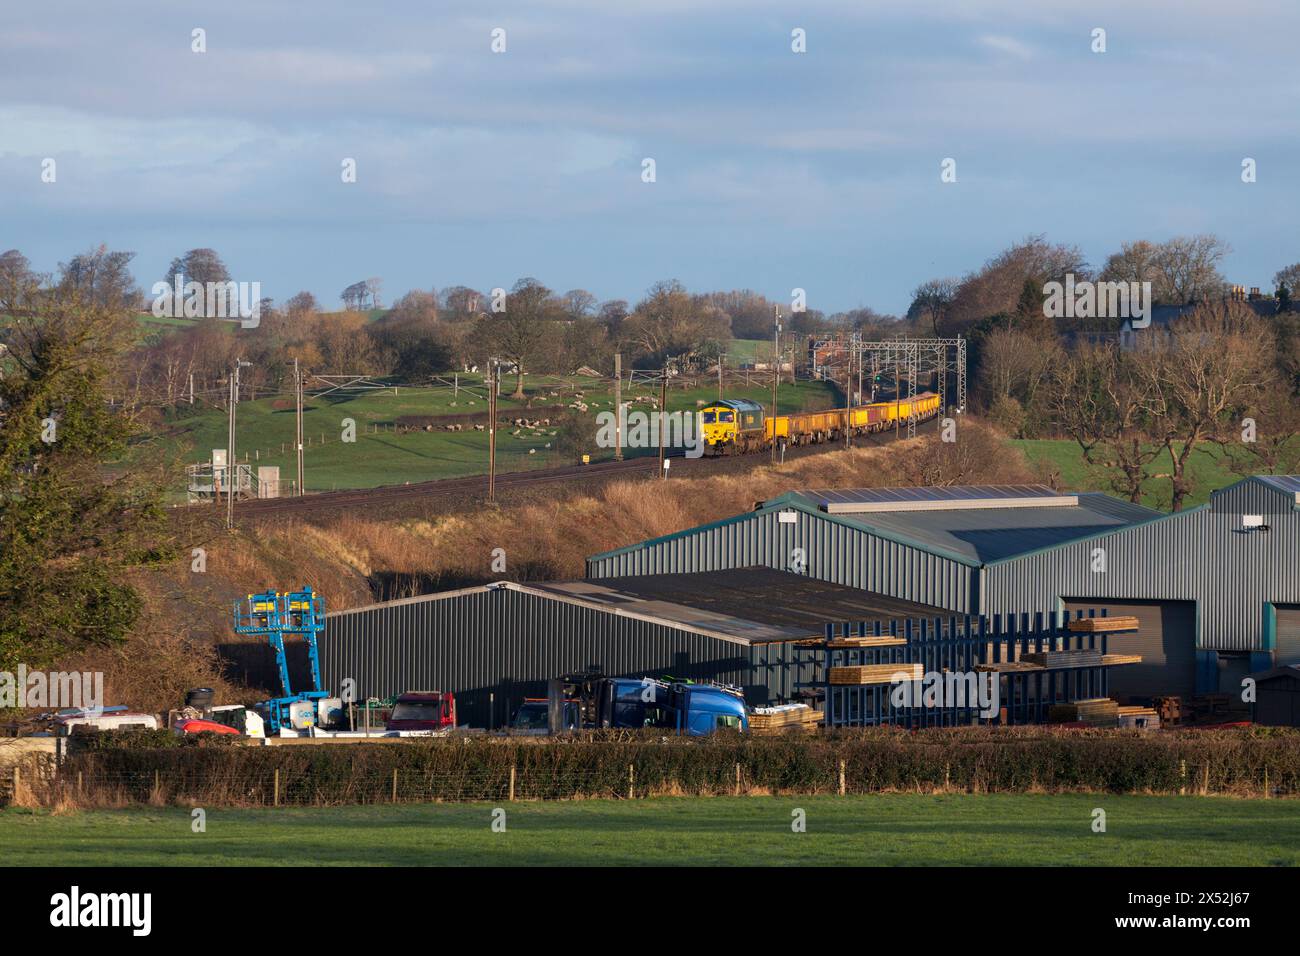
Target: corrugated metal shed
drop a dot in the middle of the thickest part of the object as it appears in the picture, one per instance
(1021, 558)
(496, 644)
(1204, 554)
(791, 534)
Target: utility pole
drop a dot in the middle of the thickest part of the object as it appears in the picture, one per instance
(776, 368)
(297, 439)
(494, 373)
(618, 406)
(848, 404)
(232, 465)
(721, 356)
(898, 396)
(663, 419)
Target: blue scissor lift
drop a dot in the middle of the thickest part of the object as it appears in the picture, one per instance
(276, 615)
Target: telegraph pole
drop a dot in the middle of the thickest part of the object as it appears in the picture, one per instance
(494, 372)
(663, 421)
(776, 368)
(898, 397)
(232, 465)
(618, 406)
(297, 441)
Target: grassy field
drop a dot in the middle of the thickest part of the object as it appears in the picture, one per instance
(1208, 472)
(885, 830)
(383, 456)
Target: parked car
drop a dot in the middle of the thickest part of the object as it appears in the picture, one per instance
(430, 710)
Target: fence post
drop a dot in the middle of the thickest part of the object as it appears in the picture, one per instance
(157, 782)
(1182, 776)
(841, 778)
(275, 794)
(512, 783)
(1265, 780)
(737, 778)
(18, 782)
(631, 782)
(394, 785)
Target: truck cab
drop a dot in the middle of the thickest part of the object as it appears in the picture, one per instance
(694, 710)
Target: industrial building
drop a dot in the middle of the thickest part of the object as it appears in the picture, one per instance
(1216, 588)
(496, 644)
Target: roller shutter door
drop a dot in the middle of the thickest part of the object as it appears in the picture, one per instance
(1287, 633)
(1166, 639)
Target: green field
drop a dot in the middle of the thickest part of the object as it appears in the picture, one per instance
(383, 456)
(883, 830)
(1208, 472)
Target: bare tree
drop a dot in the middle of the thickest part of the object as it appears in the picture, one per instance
(1187, 269)
(931, 302)
(1100, 400)
(1201, 376)
(525, 329)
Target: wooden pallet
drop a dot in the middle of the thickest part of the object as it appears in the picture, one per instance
(1009, 667)
(1103, 625)
(875, 674)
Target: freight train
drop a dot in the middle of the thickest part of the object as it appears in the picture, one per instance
(737, 426)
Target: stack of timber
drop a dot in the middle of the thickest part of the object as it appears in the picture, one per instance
(1142, 717)
(876, 673)
(1095, 712)
(1103, 625)
(1058, 659)
(1008, 667)
(772, 720)
(1109, 660)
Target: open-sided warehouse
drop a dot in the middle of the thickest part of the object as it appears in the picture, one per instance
(1215, 588)
(496, 644)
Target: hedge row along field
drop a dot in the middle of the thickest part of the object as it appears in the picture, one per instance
(159, 768)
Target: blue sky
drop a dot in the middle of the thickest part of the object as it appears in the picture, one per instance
(775, 170)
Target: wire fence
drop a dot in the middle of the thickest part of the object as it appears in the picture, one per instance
(45, 784)
(289, 788)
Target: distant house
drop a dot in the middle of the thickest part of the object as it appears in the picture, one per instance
(1162, 316)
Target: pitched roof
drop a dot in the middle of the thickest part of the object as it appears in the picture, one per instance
(981, 523)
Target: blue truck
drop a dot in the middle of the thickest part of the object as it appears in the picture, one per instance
(682, 707)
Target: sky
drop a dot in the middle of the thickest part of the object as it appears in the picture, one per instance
(774, 170)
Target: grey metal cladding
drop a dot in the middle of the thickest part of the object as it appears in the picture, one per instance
(507, 643)
(834, 551)
(1203, 555)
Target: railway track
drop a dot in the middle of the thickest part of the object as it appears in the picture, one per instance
(508, 484)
